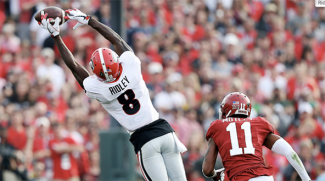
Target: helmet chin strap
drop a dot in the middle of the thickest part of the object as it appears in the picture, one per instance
(119, 70)
(228, 113)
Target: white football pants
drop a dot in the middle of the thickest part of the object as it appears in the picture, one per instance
(160, 159)
(262, 178)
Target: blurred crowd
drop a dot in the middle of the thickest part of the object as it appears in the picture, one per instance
(193, 53)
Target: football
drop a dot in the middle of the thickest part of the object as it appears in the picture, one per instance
(52, 12)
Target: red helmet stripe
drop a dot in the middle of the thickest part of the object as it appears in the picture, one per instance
(100, 51)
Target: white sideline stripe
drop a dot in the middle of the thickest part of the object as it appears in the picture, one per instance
(100, 51)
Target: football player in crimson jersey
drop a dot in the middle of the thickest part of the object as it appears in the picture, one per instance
(118, 85)
(239, 140)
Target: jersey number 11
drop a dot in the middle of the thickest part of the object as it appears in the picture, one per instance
(246, 126)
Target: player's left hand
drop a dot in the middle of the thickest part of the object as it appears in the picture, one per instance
(76, 14)
(220, 175)
(46, 24)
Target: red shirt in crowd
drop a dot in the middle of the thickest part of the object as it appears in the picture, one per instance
(17, 139)
(64, 165)
(40, 143)
(317, 48)
(197, 35)
(291, 4)
(25, 14)
(293, 87)
(2, 18)
(255, 9)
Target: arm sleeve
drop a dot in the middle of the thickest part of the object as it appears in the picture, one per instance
(282, 147)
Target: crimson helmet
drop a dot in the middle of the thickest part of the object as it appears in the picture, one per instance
(105, 64)
(235, 103)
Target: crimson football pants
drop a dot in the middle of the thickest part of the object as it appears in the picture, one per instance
(160, 159)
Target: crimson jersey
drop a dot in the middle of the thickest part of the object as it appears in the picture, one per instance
(64, 165)
(240, 142)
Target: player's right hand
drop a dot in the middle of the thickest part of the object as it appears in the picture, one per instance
(220, 175)
(76, 14)
(46, 24)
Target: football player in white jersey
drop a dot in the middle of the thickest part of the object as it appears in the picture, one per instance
(118, 85)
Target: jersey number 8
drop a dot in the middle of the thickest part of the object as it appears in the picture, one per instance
(130, 104)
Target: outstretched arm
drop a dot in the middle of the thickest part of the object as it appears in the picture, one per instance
(281, 147)
(78, 71)
(210, 161)
(119, 44)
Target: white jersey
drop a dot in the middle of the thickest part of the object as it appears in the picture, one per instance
(126, 99)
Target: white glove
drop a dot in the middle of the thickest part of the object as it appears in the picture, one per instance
(76, 14)
(46, 24)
